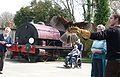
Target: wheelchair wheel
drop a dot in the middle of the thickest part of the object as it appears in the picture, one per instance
(79, 63)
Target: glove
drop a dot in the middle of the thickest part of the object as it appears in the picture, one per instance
(84, 33)
(74, 30)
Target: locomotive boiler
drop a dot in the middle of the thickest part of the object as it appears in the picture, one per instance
(38, 42)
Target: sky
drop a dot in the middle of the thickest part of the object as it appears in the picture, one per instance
(12, 6)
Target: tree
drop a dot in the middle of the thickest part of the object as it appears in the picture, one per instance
(22, 15)
(101, 12)
(114, 5)
(72, 7)
(5, 17)
(40, 11)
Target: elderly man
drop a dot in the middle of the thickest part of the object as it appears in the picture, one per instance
(4, 39)
(74, 53)
(112, 37)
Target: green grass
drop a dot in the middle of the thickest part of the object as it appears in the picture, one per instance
(84, 60)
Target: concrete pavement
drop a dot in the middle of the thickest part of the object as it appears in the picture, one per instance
(14, 68)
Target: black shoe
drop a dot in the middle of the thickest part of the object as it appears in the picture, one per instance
(1, 72)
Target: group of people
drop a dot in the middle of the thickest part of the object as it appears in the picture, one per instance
(98, 51)
(106, 44)
(112, 38)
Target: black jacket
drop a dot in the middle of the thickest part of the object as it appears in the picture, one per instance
(112, 37)
(8, 40)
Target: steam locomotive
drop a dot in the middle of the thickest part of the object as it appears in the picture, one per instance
(35, 42)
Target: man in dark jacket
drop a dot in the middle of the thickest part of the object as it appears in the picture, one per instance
(5, 39)
(112, 37)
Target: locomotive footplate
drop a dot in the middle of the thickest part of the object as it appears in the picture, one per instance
(53, 52)
(34, 52)
(53, 47)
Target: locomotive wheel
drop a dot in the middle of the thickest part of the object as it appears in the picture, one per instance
(31, 59)
(79, 63)
(14, 54)
(11, 55)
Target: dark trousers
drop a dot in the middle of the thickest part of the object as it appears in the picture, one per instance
(2, 56)
(92, 71)
(112, 68)
(97, 68)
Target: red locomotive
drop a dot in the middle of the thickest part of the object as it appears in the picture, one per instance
(37, 42)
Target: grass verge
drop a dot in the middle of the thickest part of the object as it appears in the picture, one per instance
(84, 60)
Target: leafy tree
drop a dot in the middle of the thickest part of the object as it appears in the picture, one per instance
(114, 5)
(102, 12)
(22, 15)
(40, 11)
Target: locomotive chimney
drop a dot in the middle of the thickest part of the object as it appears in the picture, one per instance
(30, 20)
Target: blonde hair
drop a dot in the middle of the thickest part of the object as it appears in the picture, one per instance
(101, 27)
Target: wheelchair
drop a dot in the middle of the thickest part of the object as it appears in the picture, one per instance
(74, 62)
